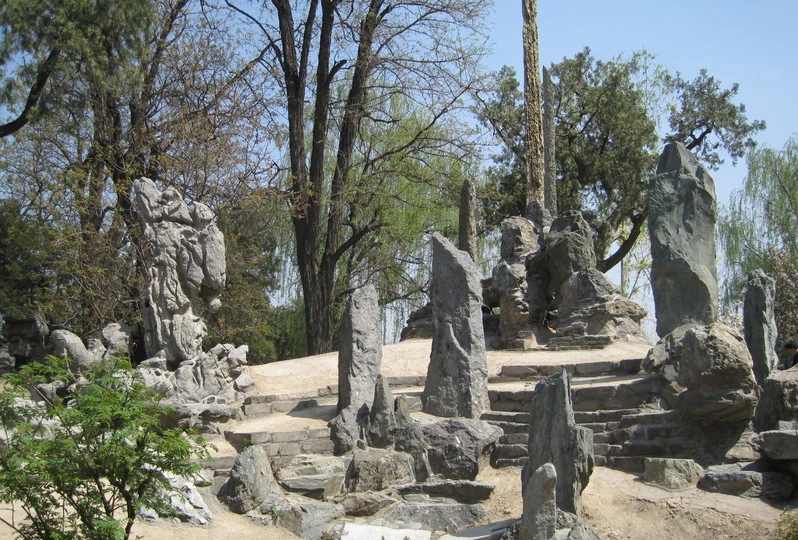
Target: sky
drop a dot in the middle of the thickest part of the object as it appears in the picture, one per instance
(753, 44)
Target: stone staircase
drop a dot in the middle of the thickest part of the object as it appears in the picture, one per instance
(612, 398)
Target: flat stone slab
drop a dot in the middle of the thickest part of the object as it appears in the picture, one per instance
(357, 531)
(779, 444)
(491, 531)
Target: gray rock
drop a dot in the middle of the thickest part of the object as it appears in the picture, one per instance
(555, 438)
(186, 266)
(759, 324)
(68, 345)
(467, 230)
(436, 517)
(778, 400)
(779, 444)
(160, 380)
(707, 371)
(118, 338)
(362, 531)
(307, 518)
(206, 375)
(382, 428)
(569, 248)
(316, 476)
(375, 469)
(681, 226)
(186, 502)
(748, 483)
(457, 449)
(359, 362)
(457, 377)
(519, 238)
(582, 531)
(539, 518)
(672, 474)
(366, 503)
(250, 482)
(462, 491)
(23, 337)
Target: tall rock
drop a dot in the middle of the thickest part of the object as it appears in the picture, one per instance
(759, 324)
(359, 360)
(467, 233)
(555, 438)
(186, 265)
(681, 225)
(457, 377)
(539, 518)
(569, 248)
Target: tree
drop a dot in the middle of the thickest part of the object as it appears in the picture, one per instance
(607, 113)
(342, 67)
(82, 466)
(758, 230)
(533, 102)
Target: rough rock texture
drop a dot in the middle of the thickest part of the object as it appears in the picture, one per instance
(383, 429)
(467, 230)
(539, 519)
(672, 474)
(706, 372)
(593, 306)
(457, 377)
(214, 375)
(360, 531)
(376, 469)
(184, 501)
(186, 265)
(250, 482)
(68, 345)
(307, 518)
(436, 517)
(23, 336)
(732, 480)
(359, 362)
(419, 324)
(457, 449)
(118, 339)
(779, 444)
(316, 476)
(681, 225)
(519, 238)
(759, 324)
(555, 438)
(778, 400)
(569, 248)
(365, 504)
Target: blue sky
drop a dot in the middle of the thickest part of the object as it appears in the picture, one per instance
(753, 44)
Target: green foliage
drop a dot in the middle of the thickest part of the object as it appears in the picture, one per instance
(81, 467)
(287, 328)
(758, 230)
(787, 528)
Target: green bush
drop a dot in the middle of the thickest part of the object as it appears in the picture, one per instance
(81, 466)
(788, 525)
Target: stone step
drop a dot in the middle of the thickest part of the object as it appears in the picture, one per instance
(582, 369)
(509, 451)
(283, 443)
(502, 416)
(625, 463)
(610, 415)
(650, 418)
(570, 343)
(514, 462)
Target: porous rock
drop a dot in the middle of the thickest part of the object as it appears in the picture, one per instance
(733, 480)
(251, 481)
(569, 248)
(778, 400)
(436, 517)
(375, 469)
(681, 226)
(779, 444)
(316, 476)
(382, 428)
(759, 323)
(457, 376)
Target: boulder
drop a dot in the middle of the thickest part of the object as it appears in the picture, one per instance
(569, 248)
(68, 345)
(539, 518)
(184, 502)
(751, 484)
(519, 238)
(118, 339)
(672, 474)
(316, 476)
(383, 429)
(366, 503)
(434, 516)
(419, 324)
(759, 324)
(681, 226)
(463, 491)
(376, 469)
(361, 531)
(160, 380)
(457, 377)
(307, 518)
(555, 438)
(250, 482)
(778, 400)
(707, 372)
(779, 444)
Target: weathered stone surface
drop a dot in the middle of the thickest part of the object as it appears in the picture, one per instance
(707, 371)
(436, 517)
(118, 338)
(366, 503)
(539, 518)
(359, 362)
(672, 474)
(778, 400)
(569, 248)
(519, 238)
(732, 480)
(759, 324)
(376, 469)
(317, 476)
(68, 345)
(457, 377)
(307, 518)
(581, 531)
(250, 482)
(419, 324)
(555, 438)
(24, 334)
(779, 444)
(467, 230)
(184, 501)
(360, 531)
(681, 225)
(210, 374)
(456, 449)
(161, 380)
(186, 265)
(382, 428)
(463, 491)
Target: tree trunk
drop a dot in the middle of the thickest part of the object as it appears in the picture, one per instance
(549, 134)
(532, 104)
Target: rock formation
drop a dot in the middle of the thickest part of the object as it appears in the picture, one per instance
(457, 377)
(467, 230)
(569, 248)
(22, 338)
(759, 324)
(539, 520)
(555, 438)
(778, 401)
(186, 264)
(683, 212)
(359, 362)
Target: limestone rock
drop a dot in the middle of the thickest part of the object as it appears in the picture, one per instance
(457, 377)
(519, 238)
(376, 469)
(68, 345)
(360, 531)
(778, 400)
(161, 380)
(751, 484)
(467, 230)
(382, 427)
(186, 266)
(436, 517)
(366, 503)
(308, 518)
(463, 491)
(681, 225)
(118, 339)
(316, 476)
(779, 444)
(23, 337)
(569, 248)
(184, 501)
(539, 519)
(359, 362)
(759, 324)
(672, 474)
(555, 438)
(708, 372)
(251, 481)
